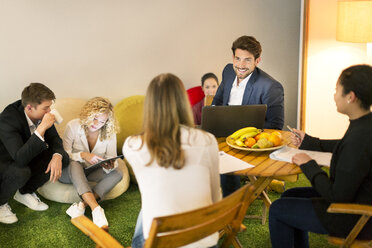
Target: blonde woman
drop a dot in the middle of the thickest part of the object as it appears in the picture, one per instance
(176, 165)
(88, 140)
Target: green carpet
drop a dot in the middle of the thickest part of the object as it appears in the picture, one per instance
(52, 228)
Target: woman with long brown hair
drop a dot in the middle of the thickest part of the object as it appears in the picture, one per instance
(176, 165)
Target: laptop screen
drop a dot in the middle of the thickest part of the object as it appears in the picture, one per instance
(224, 120)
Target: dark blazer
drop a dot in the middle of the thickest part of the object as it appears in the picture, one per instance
(261, 89)
(17, 145)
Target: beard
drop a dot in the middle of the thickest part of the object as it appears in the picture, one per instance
(242, 74)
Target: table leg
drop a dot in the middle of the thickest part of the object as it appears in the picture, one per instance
(260, 186)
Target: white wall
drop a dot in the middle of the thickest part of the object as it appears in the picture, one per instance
(326, 60)
(113, 48)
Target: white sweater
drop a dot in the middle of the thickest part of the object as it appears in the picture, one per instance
(166, 191)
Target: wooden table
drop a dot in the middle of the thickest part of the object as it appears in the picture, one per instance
(265, 169)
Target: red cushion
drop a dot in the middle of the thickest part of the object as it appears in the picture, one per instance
(195, 94)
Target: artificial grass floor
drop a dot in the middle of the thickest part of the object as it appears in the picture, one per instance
(52, 228)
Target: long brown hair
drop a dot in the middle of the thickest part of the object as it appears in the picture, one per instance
(166, 108)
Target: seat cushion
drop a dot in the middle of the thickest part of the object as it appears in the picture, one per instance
(129, 113)
(66, 193)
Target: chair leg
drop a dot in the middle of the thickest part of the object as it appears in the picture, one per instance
(261, 217)
(236, 243)
(266, 203)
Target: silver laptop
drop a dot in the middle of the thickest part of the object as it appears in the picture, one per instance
(224, 120)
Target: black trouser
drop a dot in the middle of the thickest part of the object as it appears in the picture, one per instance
(11, 179)
(27, 179)
(229, 184)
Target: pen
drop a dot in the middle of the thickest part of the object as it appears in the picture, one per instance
(291, 130)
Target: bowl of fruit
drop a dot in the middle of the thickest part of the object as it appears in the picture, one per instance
(254, 139)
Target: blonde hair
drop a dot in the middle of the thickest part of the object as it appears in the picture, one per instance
(166, 108)
(95, 106)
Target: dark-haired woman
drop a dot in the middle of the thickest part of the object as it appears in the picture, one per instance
(303, 210)
(209, 83)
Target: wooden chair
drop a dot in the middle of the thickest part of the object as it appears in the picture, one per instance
(347, 208)
(98, 235)
(185, 228)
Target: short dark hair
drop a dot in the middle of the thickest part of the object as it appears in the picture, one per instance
(358, 78)
(208, 75)
(35, 94)
(248, 43)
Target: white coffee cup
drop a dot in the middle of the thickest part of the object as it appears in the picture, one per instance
(57, 115)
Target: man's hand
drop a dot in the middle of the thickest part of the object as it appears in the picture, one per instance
(301, 158)
(90, 157)
(47, 121)
(55, 168)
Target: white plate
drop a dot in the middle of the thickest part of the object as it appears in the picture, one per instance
(230, 141)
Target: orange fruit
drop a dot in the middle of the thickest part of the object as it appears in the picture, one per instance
(262, 135)
(275, 139)
(250, 142)
(277, 133)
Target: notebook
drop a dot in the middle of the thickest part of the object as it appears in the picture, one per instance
(224, 120)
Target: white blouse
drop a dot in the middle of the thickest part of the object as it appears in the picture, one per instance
(166, 191)
(75, 142)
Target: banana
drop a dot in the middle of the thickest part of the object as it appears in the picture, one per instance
(239, 142)
(242, 131)
(248, 135)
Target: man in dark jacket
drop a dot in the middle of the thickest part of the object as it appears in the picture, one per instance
(31, 151)
(243, 83)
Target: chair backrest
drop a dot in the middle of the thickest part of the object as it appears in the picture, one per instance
(129, 113)
(195, 94)
(102, 238)
(348, 208)
(185, 228)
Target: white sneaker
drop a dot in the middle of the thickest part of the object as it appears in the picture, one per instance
(6, 214)
(31, 201)
(99, 217)
(76, 210)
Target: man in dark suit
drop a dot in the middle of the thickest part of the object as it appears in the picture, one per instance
(243, 83)
(31, 152)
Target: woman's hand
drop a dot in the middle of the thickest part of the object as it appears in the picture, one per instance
(90, 157)
(296, 140)
(301, 158)
(109, 165)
